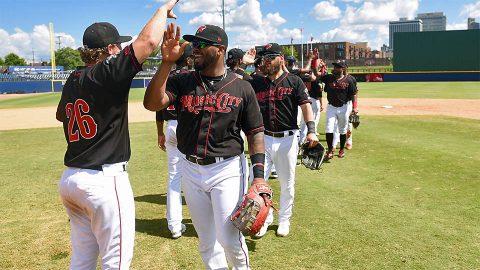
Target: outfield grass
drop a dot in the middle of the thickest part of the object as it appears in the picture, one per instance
(447, 90)
(406, 197)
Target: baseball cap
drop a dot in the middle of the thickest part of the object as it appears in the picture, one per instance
(340, 64)
(273, 48)
(209, 33)
(291, 59)
(235, 53)
(100, 34)
(186, 53)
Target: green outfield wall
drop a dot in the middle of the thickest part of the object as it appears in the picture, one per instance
(457, 50)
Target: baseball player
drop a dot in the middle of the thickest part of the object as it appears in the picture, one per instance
(340, 90)
(167, 141)
(279, 96)
(235, 64)
(213, 106)
(95, 187)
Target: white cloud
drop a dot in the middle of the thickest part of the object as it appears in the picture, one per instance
(471, 10)
(24, 44)
(369, 21)
(457, 26)
(326, 10)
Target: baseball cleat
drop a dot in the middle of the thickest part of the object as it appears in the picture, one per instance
(263, 230)
(329, 155)
(348, 146)
(283, 229)
(274, 175)
(341, 153)
(176, 235)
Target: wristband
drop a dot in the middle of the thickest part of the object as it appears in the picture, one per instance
(354, 104)
(311, 127)
(258, 165)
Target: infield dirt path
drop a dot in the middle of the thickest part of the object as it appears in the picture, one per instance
(26, 118)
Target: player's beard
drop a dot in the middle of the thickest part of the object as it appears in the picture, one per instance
(208, 60)
(272, 69)
(337, 73)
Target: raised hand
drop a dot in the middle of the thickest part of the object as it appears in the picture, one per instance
(249, 57)
(171, 49)
(169, 6)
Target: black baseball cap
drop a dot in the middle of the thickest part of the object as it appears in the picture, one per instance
(340, 64)
(273, 48)
(186, 53)
(291, 59)
(209, 33)
(99, 35)
(235, 53)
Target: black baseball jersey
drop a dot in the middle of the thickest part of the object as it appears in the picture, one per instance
(279, 100)
(210, 116)
(339, 92)
(94, 110)
(170, 113)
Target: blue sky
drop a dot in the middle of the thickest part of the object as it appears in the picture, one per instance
(24, 23)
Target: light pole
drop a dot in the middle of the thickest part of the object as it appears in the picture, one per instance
(223, 14)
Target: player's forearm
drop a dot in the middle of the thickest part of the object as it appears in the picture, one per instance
(159, 128)
(256, 144)
(354, 102)
(256, 148)
(151, 35)
(307, 112)
(155, 98)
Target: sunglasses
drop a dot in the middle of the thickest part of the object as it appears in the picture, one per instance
(271, 56)
(200, 44)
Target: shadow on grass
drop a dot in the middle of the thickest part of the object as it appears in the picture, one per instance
(156, 198)
(159, 227)
(252, 240)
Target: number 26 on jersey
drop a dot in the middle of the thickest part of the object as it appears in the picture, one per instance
(79, 122)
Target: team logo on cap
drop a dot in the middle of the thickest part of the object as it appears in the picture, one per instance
(201, 28)
(268, 46)
(219, 39)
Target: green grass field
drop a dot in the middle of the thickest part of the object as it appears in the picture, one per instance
(406, 197)
(447, 90)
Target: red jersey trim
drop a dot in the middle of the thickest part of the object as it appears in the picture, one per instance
(255, 130)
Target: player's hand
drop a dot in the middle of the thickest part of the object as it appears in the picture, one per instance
(312, 140)
(161, 142)
(355, 111)
(249, 57)
(171, 49)
(169, 6)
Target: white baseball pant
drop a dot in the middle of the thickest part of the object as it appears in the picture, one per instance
(212, 193)
(174, 191)
(316, 119)
(336, 134)
(339, 116)
(101, 209)
(283, 153)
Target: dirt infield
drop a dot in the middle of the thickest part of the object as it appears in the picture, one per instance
(26, 118)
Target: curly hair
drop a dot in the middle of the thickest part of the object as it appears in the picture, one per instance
(92, 56)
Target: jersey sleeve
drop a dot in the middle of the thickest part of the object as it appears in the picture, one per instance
(352, 87)
(159, 116)
(119, 68)
(252, 120)
(301, 91)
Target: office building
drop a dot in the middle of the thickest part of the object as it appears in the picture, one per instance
(433, 21)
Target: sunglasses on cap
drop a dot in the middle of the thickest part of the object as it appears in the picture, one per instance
(200, 44)
(271, 56)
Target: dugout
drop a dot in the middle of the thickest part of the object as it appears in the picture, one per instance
(457, 50)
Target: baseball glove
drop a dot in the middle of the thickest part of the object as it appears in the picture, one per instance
(312, 158)
(355, 120)
(250, 215)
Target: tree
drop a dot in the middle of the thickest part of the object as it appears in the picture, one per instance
(14, 60)
(287, 51)
(68, 58)
(2, 63)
